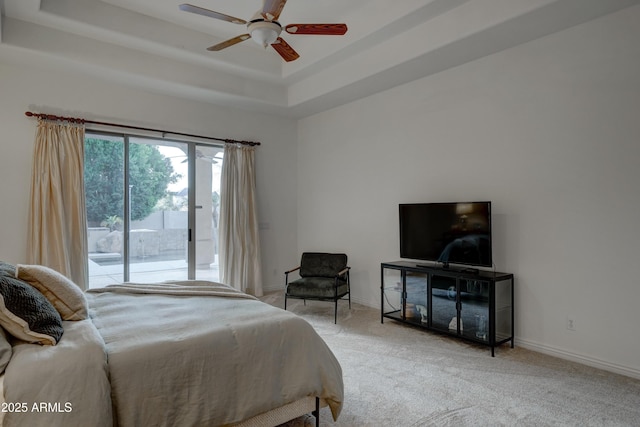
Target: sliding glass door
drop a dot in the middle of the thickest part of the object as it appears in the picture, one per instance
(105, 198)
(158, 231)
(208, 164)
(151, 208)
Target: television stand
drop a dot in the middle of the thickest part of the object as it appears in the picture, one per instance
(470, 304)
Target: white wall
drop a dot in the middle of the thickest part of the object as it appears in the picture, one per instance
(25, 87)
(549, 132)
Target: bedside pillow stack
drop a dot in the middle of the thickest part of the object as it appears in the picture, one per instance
(25, 313)
(34, 300)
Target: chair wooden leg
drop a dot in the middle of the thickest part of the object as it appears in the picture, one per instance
(335, 313)
(285, 302)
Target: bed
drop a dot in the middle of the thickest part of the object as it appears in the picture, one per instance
(188, 353)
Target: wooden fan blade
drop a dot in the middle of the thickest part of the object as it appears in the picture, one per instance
(272, 8)
(317, 29)
(230, 42)
(286, 51)
(210, 13)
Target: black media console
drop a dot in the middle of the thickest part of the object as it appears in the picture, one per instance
(476, 305)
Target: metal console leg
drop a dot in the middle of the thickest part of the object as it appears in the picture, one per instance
(316, 413)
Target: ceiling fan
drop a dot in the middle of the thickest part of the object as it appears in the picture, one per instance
(265, 29)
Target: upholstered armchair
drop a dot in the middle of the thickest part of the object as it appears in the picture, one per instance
(323, 277)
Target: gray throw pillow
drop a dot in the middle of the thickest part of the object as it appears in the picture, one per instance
(7, 269)
(26, 314)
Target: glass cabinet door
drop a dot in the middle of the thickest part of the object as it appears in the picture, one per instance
(504, 310)
(392, 293)
(474, 309)
(443, 303)
(416, 304)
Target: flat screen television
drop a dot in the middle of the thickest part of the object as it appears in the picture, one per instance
(448, 233)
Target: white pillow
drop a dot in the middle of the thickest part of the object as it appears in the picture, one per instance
(62, 293)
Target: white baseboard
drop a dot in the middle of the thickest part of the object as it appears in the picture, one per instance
(574, 357)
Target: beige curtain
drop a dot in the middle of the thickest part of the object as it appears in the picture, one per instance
(239, 240)
(57, 215)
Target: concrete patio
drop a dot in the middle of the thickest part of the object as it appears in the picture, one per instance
(147, 272)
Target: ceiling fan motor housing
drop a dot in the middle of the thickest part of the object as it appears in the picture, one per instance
(264, 32)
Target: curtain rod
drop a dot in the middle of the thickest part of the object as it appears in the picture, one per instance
(164, 132)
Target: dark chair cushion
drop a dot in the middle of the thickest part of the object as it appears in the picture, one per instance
(317, 287)
(318, 264)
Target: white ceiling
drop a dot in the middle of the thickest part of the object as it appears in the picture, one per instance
(153, 45)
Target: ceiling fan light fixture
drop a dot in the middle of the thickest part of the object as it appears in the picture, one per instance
(265, 33)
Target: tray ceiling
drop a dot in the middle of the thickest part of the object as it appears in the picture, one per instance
(153, 45)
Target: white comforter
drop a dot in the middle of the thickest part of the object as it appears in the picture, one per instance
(199, 360)
(62, 385)
(183, 355)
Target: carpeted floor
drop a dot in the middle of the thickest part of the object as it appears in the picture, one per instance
(395, 375)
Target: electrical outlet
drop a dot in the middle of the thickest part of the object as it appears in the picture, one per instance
(571, 323)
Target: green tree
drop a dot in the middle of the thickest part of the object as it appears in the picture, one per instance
(149, 174)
